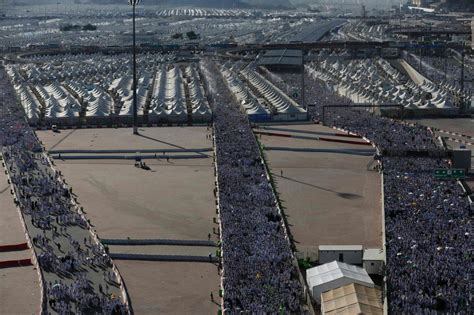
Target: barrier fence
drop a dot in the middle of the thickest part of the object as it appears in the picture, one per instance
(311, 138)
(16, 263)
(15, 247)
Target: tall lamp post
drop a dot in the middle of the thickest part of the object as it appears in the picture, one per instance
(134, 3)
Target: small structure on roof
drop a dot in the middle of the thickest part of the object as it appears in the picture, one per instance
(352, 299)
(334, 275)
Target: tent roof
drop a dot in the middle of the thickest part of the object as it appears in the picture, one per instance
(352, 299)
(336, 270)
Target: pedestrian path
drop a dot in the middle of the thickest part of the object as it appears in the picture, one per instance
(76, 275)
(19, 286)
(67, 250)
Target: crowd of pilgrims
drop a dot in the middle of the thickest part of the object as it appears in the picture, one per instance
(45, 200)
(259, 274)
(427, 221)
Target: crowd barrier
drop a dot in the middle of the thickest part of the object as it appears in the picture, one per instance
(14, 247)
(130, 151)
(16, 263)
(176, 258)
(158, 242)
(128, 157)
(362, 152)
(311, 138)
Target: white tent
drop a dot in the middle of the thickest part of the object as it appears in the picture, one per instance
(334, 275)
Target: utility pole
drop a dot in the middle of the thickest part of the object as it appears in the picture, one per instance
(463, 105)
(445, 64)
(421, 64)
(134, 3)
(302, 82)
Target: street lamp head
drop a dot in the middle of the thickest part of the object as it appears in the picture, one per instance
(133, 2)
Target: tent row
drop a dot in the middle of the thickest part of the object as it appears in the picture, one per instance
(277, 100)
(244, 95)
(199, 102)
(373, 81)
(165, 91)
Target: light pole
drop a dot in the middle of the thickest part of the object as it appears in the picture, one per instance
(134, 3)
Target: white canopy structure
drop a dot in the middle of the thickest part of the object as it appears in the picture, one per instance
(376, 81)
(96, 87)
(334, 275)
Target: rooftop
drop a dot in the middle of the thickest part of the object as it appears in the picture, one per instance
(336, 270)
(340, 247)
(352, 299)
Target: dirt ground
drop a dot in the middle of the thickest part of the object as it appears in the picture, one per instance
(174, 200)
(122, 138)
(175, 288)
(330, 198)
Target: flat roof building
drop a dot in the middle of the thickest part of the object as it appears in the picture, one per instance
(351, 254)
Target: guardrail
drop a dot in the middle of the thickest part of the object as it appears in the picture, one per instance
(176, 258)
(130, 151)
(128, 157)
(146, 242)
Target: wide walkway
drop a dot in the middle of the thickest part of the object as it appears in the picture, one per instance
(61, 243)
(19, 287)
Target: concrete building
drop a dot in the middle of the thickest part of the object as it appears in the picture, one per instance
(334, 275)
(351, 254)
(352, 299)
(373, 261)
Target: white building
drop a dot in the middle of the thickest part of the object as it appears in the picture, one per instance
(373, 261)
(351, 254)
(334, 275)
